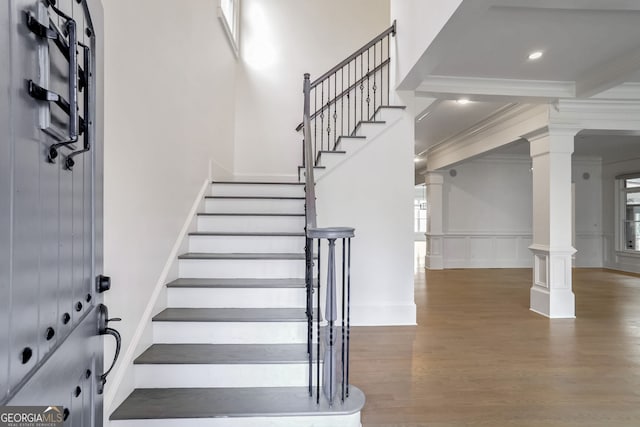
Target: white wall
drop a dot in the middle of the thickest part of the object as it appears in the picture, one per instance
(487, 213)
(588, 212)
(613, 258)
(169, 111)
(281, 40)
(378, 202)
(418, 23)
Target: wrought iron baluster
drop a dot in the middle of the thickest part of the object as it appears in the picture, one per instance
(315, 124)
(342, 321)
(368, 85)
(328, 112)
(361, 87)
(321, 120)
(318, 332)
(342, 102)
(349, 97)
(335, 109)
(348, 309)
(375, 87)
(388, 83)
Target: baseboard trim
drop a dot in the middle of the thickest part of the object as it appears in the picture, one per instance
(383, 315)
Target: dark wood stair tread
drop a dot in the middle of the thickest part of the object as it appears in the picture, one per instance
(195, 354)
(175, 403)
(231, 315)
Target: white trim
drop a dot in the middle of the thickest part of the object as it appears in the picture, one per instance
(522, 90)
(155, 304)
(234, 39)
(489, 134)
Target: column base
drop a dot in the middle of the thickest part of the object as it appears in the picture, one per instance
(558, 304)
(434, 259)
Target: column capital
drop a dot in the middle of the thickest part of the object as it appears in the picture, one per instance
(550, 131)
(433, 178)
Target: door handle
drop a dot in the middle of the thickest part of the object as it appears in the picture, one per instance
(71, 29)
(104, 329)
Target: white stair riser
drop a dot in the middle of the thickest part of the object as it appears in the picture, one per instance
(251, 223)
(317, 173)
(330, 160)
(254, 205)
(230, 268)
(236, 297)
(247, 244)
(264, 190)
(229, 332)
(230, 375)
(350, 144)
(389, 114)
(352, 420)
(371, 130)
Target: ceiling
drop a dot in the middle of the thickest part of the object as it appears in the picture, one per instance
(589, 46)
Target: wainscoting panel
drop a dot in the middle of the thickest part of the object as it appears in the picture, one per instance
(481, 250)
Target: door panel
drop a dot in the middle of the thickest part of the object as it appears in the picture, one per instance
(48, 218)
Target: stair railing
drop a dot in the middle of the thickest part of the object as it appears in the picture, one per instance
(349, 93)
(362, 91)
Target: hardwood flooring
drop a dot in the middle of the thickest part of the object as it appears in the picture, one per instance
(479, 357)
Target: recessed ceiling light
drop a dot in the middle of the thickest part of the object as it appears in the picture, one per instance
(416, 159)
(535, 55)
(463, 101)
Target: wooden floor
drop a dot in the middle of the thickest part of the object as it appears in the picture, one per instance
(479, 357)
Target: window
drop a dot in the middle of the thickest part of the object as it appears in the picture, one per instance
(630, 204)
(228, 12)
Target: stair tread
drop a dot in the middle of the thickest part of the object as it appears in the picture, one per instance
(170, 354)
(237, 283)
(231, 402)
(247, 233)
(255, 197)
(242, 256)
(248, 214)
(231, 315)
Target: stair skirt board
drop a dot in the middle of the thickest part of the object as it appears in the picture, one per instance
(209, 223)
(254, 189)
(237, 268)
(237, 205)
(236, 297)
(236, 407)
(223, 375)
(229, 332)
(242, 243)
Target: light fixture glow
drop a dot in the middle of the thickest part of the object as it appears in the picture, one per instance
(535, 55)
(416, 159)
(463, 101)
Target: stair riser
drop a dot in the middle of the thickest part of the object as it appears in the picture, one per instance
(254, 205)
(267, 224)
(225, 268)
(246, 244)
(229, 332)
(232, 375)
(371, 130)
(352, 420)
(236, 298)
(350, 144)
(264, 190)
(388, 114)
(330, 160)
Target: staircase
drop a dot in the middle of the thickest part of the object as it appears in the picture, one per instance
(231, 348)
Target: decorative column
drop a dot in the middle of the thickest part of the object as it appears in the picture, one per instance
(433, 258)
(551, 293)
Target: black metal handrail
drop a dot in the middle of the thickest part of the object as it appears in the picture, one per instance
(347, 94)
(372, 78)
